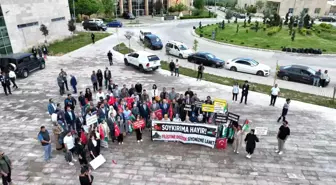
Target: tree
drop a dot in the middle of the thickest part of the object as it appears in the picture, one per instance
(228, 15)
(251, 9)
(256, 26)
(244, 25)
(293, 36)
(276, 20)
(237, 28)
(45, 32)
(236, 20)
(88, 7)
(180, 7)
(306, 20)
(249, 19)
(158, 6)
(286, 18)
(223, 25)
(260, 4)
(129, 36)
(108, 7)
(199, 4)
(72, 27)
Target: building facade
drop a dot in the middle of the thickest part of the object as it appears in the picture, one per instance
(312, 7)
(20, 22)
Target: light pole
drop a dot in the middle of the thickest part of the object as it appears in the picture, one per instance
(74, 10)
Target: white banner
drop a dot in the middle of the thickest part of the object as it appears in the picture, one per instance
(193, 133)
(98, 161)
(91, 120)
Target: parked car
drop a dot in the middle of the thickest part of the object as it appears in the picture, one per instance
(94, 26)
(99, 21)
(22, 63)
(327, 19)
(145, 61)
(114, 24)
(206, 59)
(143, 34)
(298, 73)
(128, 15)
(248, 65)
(153, 42)
(239, 15)
(178, 49)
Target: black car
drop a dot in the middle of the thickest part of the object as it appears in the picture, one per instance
(127, 15)
(21, 63)
(89, 25)
(327, 19)
(298, 73)
(206, 59)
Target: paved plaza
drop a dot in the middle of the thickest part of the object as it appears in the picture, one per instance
(309, 157)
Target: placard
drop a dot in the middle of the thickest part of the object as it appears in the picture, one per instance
(91, 120)
(198, 104)
(220, 118)
(98, 161)
(208, 108)
(233, 117)
(187, 107)
(261, 131)
(219, 105)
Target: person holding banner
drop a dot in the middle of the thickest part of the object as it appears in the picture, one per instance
(138, 124)
(92, 146)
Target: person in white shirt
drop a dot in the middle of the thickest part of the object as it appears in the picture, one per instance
(235, 92)
(100, 94)
(12, 77)
(69, 144)
(275, 91)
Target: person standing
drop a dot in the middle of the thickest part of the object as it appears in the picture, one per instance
(200, 72)
(51, 107)
(274, 94)
(172, 67)
(5, 82)
(34, 51)
(235, 91)
(121, 124)
(73, 83)
(100, 78)
(138, 88)
(12, 77)
(45, 140)
(45, 51)
(245, 90)
(282, 136)
(69, 144)
(94, 81)
(284, 110)
(93, 38)
(111, 124)
(81, 151)
(110, 57)
(107, 76)
(238, 139)
(251, 139)
(70, 118)
(324, 77)
(92, 146)
(85, 178)
(316, 79)
(177, 66)
(5, 169)
(39, 51)
(57, 130)
(64, 75)
(60, 83)
(138, 131)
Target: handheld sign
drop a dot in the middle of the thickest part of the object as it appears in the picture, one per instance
(208, 108)
(187, 107)
(91, 120)
(233, 117)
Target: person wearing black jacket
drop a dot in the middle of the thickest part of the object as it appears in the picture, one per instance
(109, 56)
(245, 89)
(107, 76)
(138, 88)
(81, 151)
(85, 178)
(250, 141)
(172, 67)
(92, 146)
(191, 94)
(100, 78)
(200, 72)
(93, 38)
(5, 82)
(131, 90)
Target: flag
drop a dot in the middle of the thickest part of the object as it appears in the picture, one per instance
(139, 124)
(170, 112)
(116, 130)
(112, 100)
(158, 114)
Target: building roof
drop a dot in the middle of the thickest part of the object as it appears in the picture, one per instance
(16, 56)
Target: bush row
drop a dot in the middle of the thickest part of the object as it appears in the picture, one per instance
(197, 17)
(273, 30)
(304, 31)
(302, 50)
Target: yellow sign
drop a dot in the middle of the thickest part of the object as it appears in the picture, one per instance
(208, 108)
(219, 105)
(220, 102)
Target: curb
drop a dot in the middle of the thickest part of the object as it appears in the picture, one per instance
(193, 33)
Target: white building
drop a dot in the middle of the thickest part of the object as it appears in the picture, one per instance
(20, 22)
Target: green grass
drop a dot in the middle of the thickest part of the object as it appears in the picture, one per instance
(72, 43)
(324, 41)
(122, 48)
(265, 89)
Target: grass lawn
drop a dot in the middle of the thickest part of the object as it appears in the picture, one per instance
(72, 43)
(260, 39)
(265, 89)
(122, 48)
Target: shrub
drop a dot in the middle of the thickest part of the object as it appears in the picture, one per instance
(303, 31)
(246, 31)
(267, 46)
(324, 50)
(309, 32)
(256, 44)
(273, 31)
(326, 26)
(242, 43)
(231, 40)
(196, 12)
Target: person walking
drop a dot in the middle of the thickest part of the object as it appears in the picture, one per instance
(324, 77)
(94, 81)
(284, 110)
(177, 66)
(238, 139)
(44, 138)
(5, 82)
(107, 77)
(235, 91)
(60, 83)
(69, 144)
(85, 178)
(251, 139)
(34, 51)
(316, 78)
(282, 136)
(5, 169)
(93, 38)
(100, 78)
(64, 75)
(110, 57)
(81, 151)
(73, 83)
(275, 91)
(12, 77)
(245, 90)
(200, 72)
(172, 67)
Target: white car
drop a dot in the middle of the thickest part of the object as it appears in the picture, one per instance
(178, 49)
(248, 65)
(145, 61)
(99, 21)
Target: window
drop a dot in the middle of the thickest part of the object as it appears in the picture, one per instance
(182, 47)
(58, 19)
(153, 58)
(311, 71)
(253, 62)
(305, 10)
(291, 10)
(175, 47)
(27, 25)
(317, 10)
(26, 59)
(135, 55)
(243, 62)
(294, 70)
(304, 72)
(169, 45)
(210, 56)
